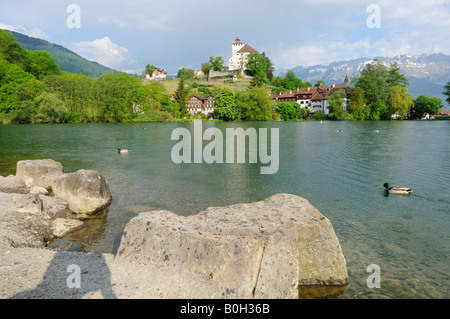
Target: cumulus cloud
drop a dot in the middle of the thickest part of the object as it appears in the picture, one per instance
(103, 51)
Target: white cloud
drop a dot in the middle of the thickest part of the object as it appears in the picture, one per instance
(103, 51)
(35, 32)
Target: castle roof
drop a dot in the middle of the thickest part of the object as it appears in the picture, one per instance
(246, 48)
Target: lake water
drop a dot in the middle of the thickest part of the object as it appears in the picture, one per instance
(338, 172)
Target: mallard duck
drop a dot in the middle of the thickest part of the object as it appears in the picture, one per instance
(123, 150)
(396, 189)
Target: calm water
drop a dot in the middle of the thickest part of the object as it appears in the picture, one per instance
(339, 173)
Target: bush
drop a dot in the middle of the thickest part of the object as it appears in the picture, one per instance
(319, 116)
(50, 109)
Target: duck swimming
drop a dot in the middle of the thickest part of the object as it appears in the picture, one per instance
(123, 150)
(397, 190)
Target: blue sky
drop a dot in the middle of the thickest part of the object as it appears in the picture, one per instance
(127, 35)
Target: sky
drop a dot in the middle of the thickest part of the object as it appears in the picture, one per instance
(171, 34)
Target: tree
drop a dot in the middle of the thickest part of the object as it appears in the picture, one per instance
(255, 105)
(378, 108)
(256, 81)
(394, 77)
(357, 106)
(225, 105)
(206, 67)
(318, 83)
(12, 76)
(425, 104)
(216, 63)
(11, 50)
(269, 65)
(41, 64)
(149, 68)
(373, 80)
(50, 109)
(398, 102)
(257, 66)
(185, 73)
(337, 106)
(289, 110)
(447, 92)
(181, 97)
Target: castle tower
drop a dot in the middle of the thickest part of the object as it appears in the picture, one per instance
(236, 46)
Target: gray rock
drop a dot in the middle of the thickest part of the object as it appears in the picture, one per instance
(21, 222)
(41, 173)
(38, 190)
(86, 191)
(13, 184)
(265, 249)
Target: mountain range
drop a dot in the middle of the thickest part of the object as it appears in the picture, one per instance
(67, 60)
(427, 73)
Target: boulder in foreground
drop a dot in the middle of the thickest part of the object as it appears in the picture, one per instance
(42, 173)
(86, 191)
(265, 249)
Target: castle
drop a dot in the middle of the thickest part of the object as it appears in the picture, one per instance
(239, 55)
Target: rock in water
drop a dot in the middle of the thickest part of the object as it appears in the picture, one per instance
(86, 191)
(62, 226)
(265, 249)
(41, 173)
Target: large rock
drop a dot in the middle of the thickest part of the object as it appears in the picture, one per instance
(86, 191)
(25, 219)
(13, 184)
(42, 173)
(265, 249)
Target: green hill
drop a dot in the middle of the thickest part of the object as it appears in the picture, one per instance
(68, 60)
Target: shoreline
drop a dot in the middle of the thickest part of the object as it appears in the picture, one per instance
(240, 251)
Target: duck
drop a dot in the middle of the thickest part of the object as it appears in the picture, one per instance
(397, 190)
(123, 150)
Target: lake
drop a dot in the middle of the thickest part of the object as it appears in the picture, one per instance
(338, 172)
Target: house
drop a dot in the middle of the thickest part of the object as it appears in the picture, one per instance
(159, 73)
(443, 113)
(203, 104)
(314, 99)
(200, 74)
(239, 55)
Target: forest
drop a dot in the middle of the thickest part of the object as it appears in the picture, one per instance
(34, 90)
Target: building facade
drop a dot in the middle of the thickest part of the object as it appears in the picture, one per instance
(239, 55)
(314, 99)
(201, 104)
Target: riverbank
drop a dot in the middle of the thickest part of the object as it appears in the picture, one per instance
(266, 249)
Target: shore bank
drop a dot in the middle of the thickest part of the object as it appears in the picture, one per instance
(268, 249)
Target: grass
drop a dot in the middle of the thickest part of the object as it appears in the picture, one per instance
(241, 85)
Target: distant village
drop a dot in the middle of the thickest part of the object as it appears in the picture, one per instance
(313, 99)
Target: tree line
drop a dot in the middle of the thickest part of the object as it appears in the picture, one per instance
(34, 90)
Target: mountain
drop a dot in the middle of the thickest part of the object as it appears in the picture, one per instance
(427, 74)
(68, 60)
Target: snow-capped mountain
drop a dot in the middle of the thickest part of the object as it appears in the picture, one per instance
(427, 74)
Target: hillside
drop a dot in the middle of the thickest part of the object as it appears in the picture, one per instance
(68, 61)
(427, 74)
